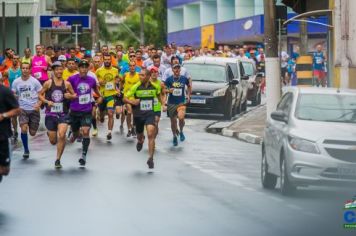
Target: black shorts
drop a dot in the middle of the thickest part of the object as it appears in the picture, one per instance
(4, 152)
(141, 122)
(52, 122)
(120, 100)
(80, 119)
(284, 70)
(158, 113)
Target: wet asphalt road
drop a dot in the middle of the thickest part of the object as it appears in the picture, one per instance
(209, 185)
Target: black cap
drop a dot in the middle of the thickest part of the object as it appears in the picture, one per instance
(83, 63)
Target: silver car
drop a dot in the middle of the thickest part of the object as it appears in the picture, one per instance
(310, 139)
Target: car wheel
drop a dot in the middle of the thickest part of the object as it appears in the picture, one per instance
(257, 99)
(228, 111)
(244, 106)
(286, 187)
(269, 181)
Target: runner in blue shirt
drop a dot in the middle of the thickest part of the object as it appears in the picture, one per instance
(177, 100)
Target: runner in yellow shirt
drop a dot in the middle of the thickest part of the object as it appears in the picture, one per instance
(70, 70)
(108, 77)
(127, 81)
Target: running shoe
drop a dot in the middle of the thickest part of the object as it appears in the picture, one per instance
(150, 163)
(0, 178)
(16, 135)
(95, 132)
(139, 146)
(109, 136)
(82, 161)
(175, 141)
(121, 129)
(117, 116)
(80, 138)
(134, 133)
(129, 134)
(181, 136)
(57, 164)
(26, 155)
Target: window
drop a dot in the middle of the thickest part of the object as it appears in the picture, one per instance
(233, 67)
(327, 108)
(285, 104)
(206, 72)
(247, 68)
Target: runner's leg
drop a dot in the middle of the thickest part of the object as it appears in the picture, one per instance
(151, 135)
(62, 130)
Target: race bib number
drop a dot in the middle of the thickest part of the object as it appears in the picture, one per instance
(177, 92)
(57, 107)
(146, 105)
(27, 95)
(109, 86)
(84, 99)
(38, 75)
(319, 60)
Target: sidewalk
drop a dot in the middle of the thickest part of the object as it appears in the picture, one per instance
(249, 127)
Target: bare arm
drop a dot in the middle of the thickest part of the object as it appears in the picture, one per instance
(70, 94)
(43, 91)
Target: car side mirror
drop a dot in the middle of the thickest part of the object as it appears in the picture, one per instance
(245, 77)
(279, 116)
(235, 82)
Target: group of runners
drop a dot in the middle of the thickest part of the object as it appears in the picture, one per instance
(77, 90)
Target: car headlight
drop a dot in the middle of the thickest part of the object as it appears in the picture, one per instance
(303, 145)
(219, 93)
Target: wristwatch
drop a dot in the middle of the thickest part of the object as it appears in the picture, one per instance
(4, 115)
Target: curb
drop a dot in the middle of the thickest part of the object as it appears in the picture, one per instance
(246, 137)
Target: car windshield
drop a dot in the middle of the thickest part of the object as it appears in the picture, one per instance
(205, 72)
(327, 107)
(248, 68)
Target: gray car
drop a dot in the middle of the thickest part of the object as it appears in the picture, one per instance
(310, 139)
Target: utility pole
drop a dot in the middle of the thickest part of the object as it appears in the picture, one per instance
(142, 22)
(303, 37)
(94, 27)
(273, 70)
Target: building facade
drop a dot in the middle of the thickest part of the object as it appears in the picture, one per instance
(29, 22)
(210, 22)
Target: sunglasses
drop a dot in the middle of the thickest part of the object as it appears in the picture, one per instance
(132, 55)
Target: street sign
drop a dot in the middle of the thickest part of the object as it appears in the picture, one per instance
(60, 22)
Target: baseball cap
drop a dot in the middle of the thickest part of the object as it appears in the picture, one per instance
(62, 58)
(153, 69)
(56, 64)
(83, 63)
(176, 66)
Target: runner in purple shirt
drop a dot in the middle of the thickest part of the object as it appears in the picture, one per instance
(81, 107)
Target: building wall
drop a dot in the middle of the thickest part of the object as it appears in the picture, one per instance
(26, 30)
(188, 14)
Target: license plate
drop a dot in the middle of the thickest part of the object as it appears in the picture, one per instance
(198, 101)
(347, 170)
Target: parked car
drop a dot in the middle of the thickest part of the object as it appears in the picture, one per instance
(218, 86)
(254, 82)
(310, 139)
